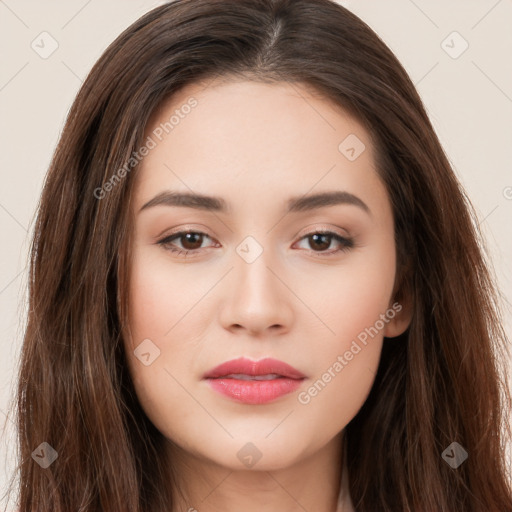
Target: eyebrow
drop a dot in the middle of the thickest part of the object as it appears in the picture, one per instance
(217, 204)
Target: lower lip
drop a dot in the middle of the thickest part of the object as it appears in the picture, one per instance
(254, 391)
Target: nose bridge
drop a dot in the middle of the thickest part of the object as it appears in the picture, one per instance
(253, 261)
(257, 299)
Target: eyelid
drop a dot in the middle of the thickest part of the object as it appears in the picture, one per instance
(187, 228)
(315, 228)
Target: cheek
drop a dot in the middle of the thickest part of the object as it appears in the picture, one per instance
(161, 296)
(351, 297)
(351, 304)
(154, 309)
(167, 306)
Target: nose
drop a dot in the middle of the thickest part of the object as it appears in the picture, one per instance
(257, 300)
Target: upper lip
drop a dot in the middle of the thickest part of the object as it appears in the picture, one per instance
(246, 366)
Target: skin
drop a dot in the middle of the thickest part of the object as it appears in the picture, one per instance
(256, 145)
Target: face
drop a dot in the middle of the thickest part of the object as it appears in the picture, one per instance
(261, 271)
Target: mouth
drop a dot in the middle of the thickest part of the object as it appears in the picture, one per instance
(242, 376)
(264, 369)
(254, 382)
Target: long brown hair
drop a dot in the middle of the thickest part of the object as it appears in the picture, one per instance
(444, 380)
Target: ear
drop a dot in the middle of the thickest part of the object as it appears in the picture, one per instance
(402, 319)
(402, 305)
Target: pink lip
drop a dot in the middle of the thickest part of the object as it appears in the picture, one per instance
(254, 391)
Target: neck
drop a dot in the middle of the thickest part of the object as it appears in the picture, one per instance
(311, 483)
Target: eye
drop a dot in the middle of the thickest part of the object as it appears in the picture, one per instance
(191, 241)
(319, 241)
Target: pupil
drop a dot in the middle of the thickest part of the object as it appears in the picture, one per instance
(188, 238)
(324, 245)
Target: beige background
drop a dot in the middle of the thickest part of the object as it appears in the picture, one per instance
(469, 99)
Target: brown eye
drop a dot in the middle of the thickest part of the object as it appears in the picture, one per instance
(320, 241)
(190, 241)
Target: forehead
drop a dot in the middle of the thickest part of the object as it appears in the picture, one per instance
(246, 140)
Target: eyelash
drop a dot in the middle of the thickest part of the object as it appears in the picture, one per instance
(346, 243)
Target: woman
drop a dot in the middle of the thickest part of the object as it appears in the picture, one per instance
(256, 283)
